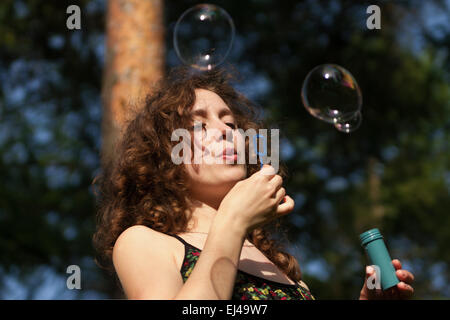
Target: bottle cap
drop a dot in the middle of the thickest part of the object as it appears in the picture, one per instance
(370, 235)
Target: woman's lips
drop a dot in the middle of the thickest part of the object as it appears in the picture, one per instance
(230, 156)
(227, 154)
(228, 151)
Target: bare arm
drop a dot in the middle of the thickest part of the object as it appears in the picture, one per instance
(215, 271)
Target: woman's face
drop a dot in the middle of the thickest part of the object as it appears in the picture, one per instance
(217, 143)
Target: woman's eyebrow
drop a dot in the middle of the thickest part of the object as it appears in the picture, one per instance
(225, 112)
(202, 113)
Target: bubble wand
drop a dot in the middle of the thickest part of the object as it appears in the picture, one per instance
(262, 154)
(255, 145)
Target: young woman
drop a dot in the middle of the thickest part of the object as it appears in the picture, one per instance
(198, 230)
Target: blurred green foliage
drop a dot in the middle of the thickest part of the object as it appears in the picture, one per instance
(392, 173)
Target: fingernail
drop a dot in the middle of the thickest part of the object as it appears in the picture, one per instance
(369, 270)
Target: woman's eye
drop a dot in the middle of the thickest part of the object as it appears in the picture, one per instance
(203, 126)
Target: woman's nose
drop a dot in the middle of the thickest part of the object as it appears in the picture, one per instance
(219, 131)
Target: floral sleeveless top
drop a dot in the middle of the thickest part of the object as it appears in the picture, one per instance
(247, 286)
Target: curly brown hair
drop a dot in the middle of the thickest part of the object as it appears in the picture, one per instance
(142, 186)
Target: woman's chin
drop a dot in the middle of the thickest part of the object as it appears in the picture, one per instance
(233, 172)
(217, 178)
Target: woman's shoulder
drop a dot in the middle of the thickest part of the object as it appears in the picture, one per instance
(144, 238)
(139, 232)
(143, 257)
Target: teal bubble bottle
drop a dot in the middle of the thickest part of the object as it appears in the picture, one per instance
(372, 242)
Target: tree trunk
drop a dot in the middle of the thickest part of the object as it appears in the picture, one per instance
(134, 61)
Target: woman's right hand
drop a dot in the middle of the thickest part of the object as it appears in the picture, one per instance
(255, 201)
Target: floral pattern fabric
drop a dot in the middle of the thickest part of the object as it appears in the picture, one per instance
(248, 286)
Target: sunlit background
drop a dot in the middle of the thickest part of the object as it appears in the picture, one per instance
(392, 173)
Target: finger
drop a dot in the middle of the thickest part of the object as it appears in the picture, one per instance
(397, 264)
(280, 194)
(405, 290)
(405, 276)
(276, 181)
(286, 206)
(267, 171)
(369, 271)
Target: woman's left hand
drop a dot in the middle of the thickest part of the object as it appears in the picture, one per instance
(403, 289)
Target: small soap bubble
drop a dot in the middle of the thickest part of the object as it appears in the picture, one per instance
(203, 36)
(331, 93)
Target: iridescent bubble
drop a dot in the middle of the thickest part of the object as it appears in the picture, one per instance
(203, 36)
(331, 93)
(350, 125)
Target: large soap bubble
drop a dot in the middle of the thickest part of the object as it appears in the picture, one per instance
(331, 93)
(203, 36)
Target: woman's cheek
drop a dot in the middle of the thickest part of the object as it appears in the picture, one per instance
(239, 142)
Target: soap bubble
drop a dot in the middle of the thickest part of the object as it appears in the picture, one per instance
(330, 93)
(203, 36)
(350, 125)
